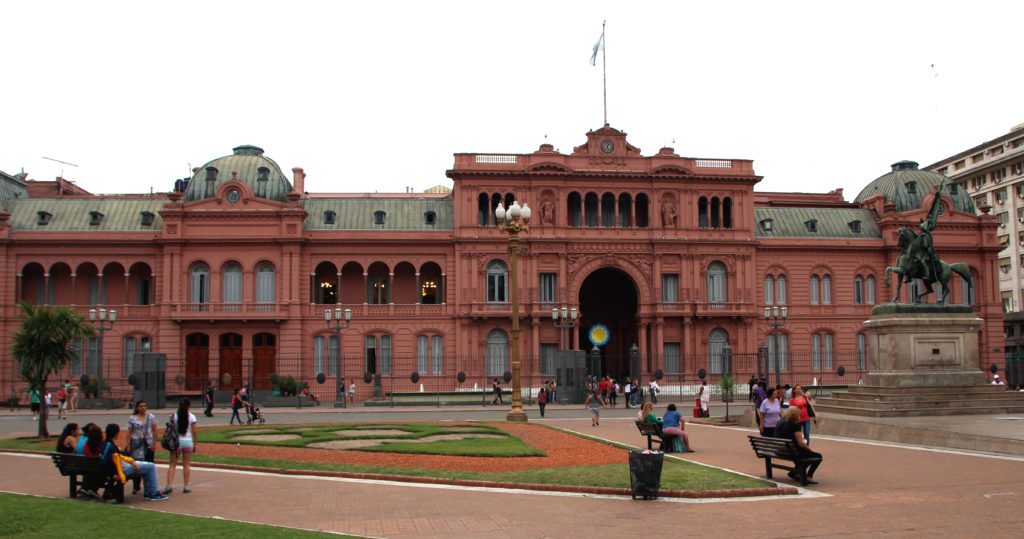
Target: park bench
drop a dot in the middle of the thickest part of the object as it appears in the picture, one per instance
(780, 449)
(653, 432)
(73, 466)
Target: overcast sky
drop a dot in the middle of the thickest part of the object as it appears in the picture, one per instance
(377, 96)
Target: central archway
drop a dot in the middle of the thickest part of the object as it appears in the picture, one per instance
(609, 296)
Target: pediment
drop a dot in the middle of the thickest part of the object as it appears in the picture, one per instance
(607, 142)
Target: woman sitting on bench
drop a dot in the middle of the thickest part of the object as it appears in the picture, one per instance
(671, 425)
(116, 463)
(791, 429)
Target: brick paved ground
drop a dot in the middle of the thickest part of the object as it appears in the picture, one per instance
(871, 489)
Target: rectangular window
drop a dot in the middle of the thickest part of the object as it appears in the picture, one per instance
(862, 351)
(233, 286)
(76, 363)
(778, 346)
(91, 365)
(547, 358)
(826, 290)
(769, 290)
(437, 354)
(422, 353)
(332, 356)
(1004, 217)
(816, 352)
(548, 287)
(1001, 195)
(94, 291)
(1018, 169)
(827, 351)
(496, 287)
(780, 290)
(871, 290)
(318, 355)
(265, 286)
(977, 158)
(814, 289)
(858, 290)
(385, 354)
(958, 165)
(672, 357)
(371, 358)
(998, 174)
(669, 287)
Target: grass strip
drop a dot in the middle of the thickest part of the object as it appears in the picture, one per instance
(31, 517)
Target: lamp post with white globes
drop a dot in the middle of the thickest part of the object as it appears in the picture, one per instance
(565, 319)
(340, 318)
(776, 318)
(106, 321)
(514, 221)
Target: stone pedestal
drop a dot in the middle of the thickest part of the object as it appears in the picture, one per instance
(923, 346)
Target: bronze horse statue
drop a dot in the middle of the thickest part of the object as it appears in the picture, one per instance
(911, 265)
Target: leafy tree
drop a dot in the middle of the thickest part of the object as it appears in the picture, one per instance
(728, 385)
(42, 346)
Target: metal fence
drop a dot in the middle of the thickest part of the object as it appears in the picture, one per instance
(464, 380)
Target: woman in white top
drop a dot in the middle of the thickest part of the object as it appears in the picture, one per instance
(185, 422)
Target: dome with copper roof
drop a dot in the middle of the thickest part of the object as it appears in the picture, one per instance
(907, 187)
(246, 164)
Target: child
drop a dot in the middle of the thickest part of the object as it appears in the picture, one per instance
(594, 402)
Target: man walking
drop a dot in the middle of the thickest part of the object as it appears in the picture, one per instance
(208, 399)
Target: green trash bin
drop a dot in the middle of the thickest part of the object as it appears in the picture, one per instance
(645, 473)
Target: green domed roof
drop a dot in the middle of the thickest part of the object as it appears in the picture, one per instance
(249, 166)
(907, 187)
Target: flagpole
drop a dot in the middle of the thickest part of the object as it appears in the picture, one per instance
(604, 68)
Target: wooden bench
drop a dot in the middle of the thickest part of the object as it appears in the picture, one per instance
(653, 432)
(779, 449)
(73, 466)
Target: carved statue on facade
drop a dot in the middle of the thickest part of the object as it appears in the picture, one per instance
(668, 215)
(547, 212)
(920, 261)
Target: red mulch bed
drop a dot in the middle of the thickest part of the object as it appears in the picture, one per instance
(561, 449)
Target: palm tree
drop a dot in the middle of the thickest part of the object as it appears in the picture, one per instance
(42, 346)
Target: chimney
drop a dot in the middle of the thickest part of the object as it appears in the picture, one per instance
(299, 183)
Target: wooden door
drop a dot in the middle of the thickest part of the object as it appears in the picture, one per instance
(264, 355)
(197, 361)
(230, 361)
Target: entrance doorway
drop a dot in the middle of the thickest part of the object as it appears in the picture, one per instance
(264, 357)
(230, 375)
(197, 360)
(609, 297)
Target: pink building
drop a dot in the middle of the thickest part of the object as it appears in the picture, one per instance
(230, 274)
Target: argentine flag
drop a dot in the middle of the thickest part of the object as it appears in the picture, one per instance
(597, 46)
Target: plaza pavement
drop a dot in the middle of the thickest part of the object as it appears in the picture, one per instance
(865, 489)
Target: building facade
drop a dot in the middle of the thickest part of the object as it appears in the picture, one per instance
(229, 274)
(993, 173)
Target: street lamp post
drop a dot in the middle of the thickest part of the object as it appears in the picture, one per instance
(341, 319)
(775, 317)
(565, 319)
(103, 320)
(513, 222)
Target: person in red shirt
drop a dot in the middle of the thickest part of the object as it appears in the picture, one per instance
(62, 403)
(801, 401)
(603, 386)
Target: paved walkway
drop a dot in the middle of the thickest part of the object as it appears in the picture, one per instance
(866, 489)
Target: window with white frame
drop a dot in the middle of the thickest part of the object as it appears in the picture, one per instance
(378, 354)
(548, 287)
(496, 355)
(497, 282)
(780, 290)
(132, 345)
(669, 287)
(769, 290)
(547, 358)
(231, 280)
(826, 290)
(717, 278)
(858, 290)
(966, 292)
(265, 283)
(672, 357)
(429, 354)
(813, 288)
(821, 351)
(199, 291)
(717, 340)
(869, 289)
(325, 355)
(778, 347)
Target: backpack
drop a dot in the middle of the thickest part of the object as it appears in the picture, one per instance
(170, 441)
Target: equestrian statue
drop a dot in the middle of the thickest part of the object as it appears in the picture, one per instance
(920, 261)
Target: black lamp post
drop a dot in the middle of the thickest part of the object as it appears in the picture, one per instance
(513, 222)
(103, 320)
(565, 319)
(340, 318)
(775, 317)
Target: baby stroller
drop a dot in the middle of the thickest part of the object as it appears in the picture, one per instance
(253, 414)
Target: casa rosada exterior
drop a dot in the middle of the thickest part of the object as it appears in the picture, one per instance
(229, 274)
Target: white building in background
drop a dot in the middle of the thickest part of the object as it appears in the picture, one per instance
(993, 173)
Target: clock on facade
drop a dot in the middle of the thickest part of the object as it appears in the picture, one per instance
(607, 146)
(233, 196)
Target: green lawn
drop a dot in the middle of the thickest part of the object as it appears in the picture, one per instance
(29, 516)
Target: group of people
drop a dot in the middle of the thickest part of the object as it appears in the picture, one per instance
(66, 396)
(786, 412)
(134, 459)
(609, 389)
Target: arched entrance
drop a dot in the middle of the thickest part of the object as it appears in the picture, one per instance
(608, 296)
